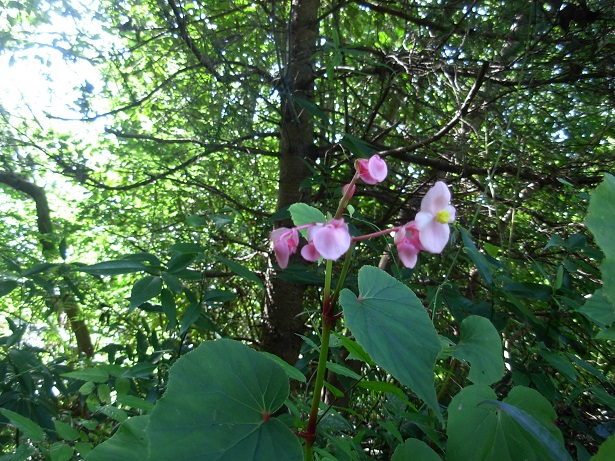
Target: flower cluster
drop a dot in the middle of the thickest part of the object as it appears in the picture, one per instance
(429, 231)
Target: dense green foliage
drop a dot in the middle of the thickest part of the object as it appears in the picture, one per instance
(138, 193)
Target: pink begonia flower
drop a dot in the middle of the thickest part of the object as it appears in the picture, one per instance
(408, 244)
(434, 218)
(372, 171)
(330, 240)
(285, 242)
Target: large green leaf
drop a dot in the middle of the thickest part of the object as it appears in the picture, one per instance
(601, 222)
(483, 432)
(217, 407)
(481, 346)
(391, 324)
(415, 450)
(129, 443)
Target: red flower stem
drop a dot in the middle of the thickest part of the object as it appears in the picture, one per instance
(347, 196)
(375, 234)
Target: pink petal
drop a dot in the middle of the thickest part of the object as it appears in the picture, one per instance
(362, 166)
(407, 254)
(451, 212)
(423, 219)
(332, 240)
(377, 168)
(434, 236)
(282, 253)
(310, 253)
(436, 198)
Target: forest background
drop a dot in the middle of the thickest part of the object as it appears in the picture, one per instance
(137, 201)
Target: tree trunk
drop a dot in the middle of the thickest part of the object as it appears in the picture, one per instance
(45, 229)
(284, 305)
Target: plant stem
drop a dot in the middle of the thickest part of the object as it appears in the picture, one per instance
(327, 322)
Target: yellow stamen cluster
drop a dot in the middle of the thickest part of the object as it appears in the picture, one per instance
(443, 217)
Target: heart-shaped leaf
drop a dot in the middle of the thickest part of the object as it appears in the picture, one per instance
(391, 324)
(481, 346)
(483, 432)
(217, 407)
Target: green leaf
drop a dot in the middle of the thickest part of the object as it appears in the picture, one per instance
(144, 289)
(60, 451)
(357, 146)
(414, 450)
(356, 352)
(311, 108)
(290, 371)
(30, 429)
(66, 431)
(553, 446)
(606, 450)
(188, 248)
(529, 290)
(6, 286)
(38, 269)
(481, 346)
(241, 271)
(342, 370)
(380, 386)
(190, 316)
(114, 267)
(172, 282)
(598, 309)
(167, 302)
(601, 222)
(477, 257)
(114, 413)
(217, 407)
(133, 401)
(95, 375)
(391, 324)
(484, 432)
(303, 214)
(129, 443)
(180, 261)
(196, 221)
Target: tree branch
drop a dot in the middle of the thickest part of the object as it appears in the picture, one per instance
(43, 218)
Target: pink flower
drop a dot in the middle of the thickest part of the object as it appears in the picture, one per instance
(408, 244)
(330, 240)
(372, 171)
(433, 220)
(285, 242)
